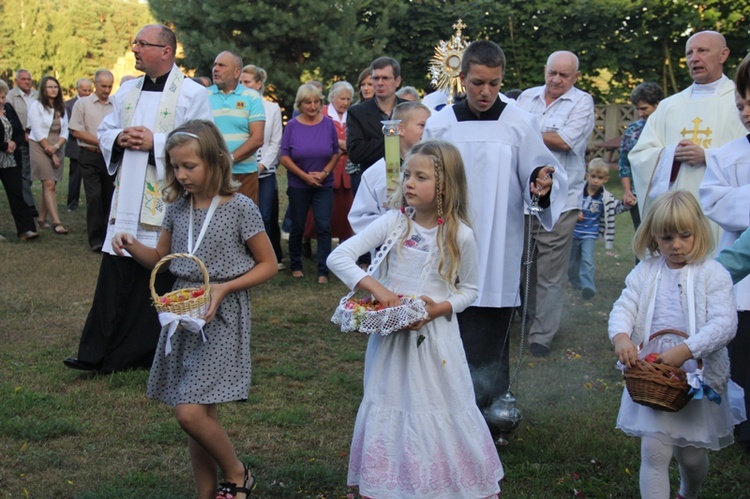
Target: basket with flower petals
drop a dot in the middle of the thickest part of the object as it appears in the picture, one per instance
(658, 386)
(366, 315)
(192, 302)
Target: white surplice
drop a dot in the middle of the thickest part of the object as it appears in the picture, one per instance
(370, 198)
(192, 103)
(725, 197)
(500, 157)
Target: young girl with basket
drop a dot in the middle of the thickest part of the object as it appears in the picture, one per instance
(418, 431)
(194, 371)
(678, 287)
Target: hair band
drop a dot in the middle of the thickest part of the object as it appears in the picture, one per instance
(191, 135)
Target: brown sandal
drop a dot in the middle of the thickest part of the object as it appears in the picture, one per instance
(42, 224)
(59, 229)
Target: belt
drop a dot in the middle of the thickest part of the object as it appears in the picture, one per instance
(92, 149)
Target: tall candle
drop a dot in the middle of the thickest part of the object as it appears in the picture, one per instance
(392, 153)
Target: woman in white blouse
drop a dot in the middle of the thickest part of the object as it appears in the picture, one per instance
(49, 131)
(254, 77)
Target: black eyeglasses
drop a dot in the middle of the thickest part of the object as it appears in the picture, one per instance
(144, 44)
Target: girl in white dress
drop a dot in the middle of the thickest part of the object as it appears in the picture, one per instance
(195, 372)
(678, 287)
(418, 431)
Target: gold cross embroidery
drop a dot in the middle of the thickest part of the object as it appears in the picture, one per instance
(693, 134)
(165, 112)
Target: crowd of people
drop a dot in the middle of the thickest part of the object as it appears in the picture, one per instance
(492, 187)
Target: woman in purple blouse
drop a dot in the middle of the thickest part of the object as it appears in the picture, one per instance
(309, 151)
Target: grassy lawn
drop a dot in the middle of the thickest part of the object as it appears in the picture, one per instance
(65, 434)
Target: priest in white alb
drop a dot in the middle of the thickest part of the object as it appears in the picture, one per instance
(671, 151)
(122, 327)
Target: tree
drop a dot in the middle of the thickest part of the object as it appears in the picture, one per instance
(68, 39)
(294, 40)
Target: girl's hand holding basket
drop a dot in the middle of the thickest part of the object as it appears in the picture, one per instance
(218, 292)
(433, 310)
(625, 349)
(657, 380)
(675, 356)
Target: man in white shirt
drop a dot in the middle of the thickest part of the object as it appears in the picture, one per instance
(20, 97)
(566, 118)
(88, 113)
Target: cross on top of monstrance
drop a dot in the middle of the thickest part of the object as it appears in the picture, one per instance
(445, 65)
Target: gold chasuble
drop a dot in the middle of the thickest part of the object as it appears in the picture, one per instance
(708, 122)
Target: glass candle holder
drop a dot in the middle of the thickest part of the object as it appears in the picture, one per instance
(391, 132)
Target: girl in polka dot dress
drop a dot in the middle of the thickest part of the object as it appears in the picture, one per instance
(199, 372)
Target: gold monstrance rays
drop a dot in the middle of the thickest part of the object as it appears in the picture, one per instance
(445, 65)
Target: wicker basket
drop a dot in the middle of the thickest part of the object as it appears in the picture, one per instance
(193, 307)
(658, 386)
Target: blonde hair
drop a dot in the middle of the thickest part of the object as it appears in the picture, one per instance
(259, 75)
(598, 165)
(307, 92)
(209, 146)
(450, 176)
(405, 110)
(674, 212)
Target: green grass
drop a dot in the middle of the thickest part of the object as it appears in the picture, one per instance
(66, 434)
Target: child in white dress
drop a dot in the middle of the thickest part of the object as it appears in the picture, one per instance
(418, 431)
(678, 287)
(192, 372)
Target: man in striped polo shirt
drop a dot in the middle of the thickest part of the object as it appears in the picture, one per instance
(238, 112)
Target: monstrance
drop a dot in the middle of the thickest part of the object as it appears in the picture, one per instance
(445, 65)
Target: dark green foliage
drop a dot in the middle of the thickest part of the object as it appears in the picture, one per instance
(619, 42)
(68, 39)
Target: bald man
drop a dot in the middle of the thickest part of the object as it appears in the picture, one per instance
(566, 117)
(239, 114)
(671, 151)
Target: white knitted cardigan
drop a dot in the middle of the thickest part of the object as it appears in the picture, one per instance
(715, 313)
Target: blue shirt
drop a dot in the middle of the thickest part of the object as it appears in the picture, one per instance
(233, 113)
(592, 208)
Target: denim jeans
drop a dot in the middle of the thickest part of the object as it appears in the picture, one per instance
(581, 268)
(268, 199)
(300, 200)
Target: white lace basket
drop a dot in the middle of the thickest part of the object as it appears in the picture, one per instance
(352, 315)
(355, 315)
